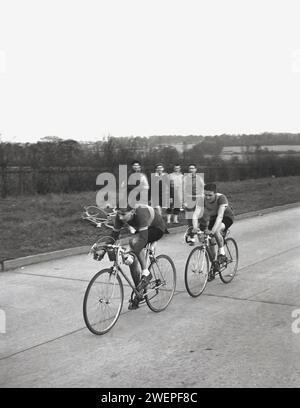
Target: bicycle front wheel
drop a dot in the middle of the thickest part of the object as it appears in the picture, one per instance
(228, 271)
(103, 301)
(162, 286)
(196, 271)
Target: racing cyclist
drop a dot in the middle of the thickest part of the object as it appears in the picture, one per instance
(149, 226)
(215, 218)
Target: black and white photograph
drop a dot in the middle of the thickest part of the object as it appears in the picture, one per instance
(149, 197)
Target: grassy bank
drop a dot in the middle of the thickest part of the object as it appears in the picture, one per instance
(36, 224)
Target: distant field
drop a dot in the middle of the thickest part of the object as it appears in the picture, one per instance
(36, 224)
(271, 148)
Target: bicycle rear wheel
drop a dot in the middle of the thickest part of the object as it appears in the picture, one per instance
(103, 301)
(196, 271)
(228, 270)
(162, 286)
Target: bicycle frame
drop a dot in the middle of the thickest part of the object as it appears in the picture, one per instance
(117, 268)
(205, 244)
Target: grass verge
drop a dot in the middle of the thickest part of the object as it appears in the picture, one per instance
(37, 224)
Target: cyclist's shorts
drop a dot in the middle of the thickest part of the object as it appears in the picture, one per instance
(139, 241)
(227, 221)
(154, 234)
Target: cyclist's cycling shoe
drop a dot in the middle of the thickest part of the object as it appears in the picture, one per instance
(222, 258)
(133, 304)
(144, 282)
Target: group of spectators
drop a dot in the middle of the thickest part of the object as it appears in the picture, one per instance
(169, 193)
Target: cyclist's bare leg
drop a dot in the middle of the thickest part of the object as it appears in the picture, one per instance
(138, 246)
(213, 251)
(219, 238)
(135, 270)
(142, 258)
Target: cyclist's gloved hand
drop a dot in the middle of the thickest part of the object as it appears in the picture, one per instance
(195, 230)
(99, 254)
(131, 229)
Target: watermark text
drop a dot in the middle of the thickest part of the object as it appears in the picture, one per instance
(2, 321)
(296, 322)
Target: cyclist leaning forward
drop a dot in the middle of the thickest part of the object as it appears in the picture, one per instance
(216, 216)
(149, 227)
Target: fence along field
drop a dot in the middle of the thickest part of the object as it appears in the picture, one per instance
(16, 181)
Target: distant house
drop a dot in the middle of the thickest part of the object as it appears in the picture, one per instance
(180, 146)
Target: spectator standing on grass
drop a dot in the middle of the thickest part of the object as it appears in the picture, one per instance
(160, 188)
(138, 180)
(176, 194)
(193, 187)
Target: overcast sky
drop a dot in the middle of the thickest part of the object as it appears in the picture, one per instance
(85, 69)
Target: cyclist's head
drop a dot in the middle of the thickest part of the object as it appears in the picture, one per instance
(124, 213)
(210, 190)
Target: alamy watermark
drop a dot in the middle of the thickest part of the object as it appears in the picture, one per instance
(129, 191)
(2, 321)
(3, 62)
(296, 322)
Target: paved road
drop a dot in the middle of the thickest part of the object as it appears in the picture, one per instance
(233, 335)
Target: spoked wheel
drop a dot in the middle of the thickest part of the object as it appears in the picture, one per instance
(229, 268)
(103, 301)
(196, 271)
(162, 286)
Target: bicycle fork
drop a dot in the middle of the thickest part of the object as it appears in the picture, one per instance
(113, 272)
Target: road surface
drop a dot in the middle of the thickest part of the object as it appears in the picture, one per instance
(238, 335)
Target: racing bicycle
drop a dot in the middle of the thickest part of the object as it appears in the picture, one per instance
(201, 266)
(104, 295)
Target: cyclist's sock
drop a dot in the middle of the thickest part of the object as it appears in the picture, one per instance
(222, 251)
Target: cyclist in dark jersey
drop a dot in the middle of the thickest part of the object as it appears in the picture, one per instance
(215, 218)
(149, 226)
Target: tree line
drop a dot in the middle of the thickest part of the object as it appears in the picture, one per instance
(56, 165)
